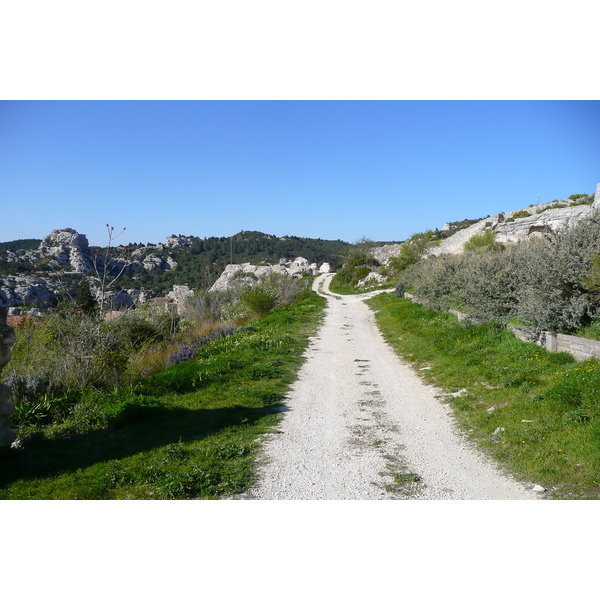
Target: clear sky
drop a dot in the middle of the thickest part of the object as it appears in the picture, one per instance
(327, 169)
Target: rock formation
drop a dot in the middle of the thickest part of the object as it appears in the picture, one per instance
(66, 246)
(180, 294)
(175, 241)
(26, 291)
(384, 253)
(248, 273)
(543, 218)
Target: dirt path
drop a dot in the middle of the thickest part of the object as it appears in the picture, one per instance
(360, 424)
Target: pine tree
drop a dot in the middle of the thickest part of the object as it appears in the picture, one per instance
(85, 299)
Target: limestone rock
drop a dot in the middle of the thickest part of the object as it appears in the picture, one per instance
(115, 300)
(372, 279)
(248, 273)
(156, 261)
(26, 291)
(538, 224)
(543, 218)
(384, 253)
(180, 294)
(66, 246)
(179, 241)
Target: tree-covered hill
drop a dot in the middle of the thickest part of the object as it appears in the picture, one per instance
(29, 244)
(201, 262)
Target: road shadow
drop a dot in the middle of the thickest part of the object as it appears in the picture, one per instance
(124, 436)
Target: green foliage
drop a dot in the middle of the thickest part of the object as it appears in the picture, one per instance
(413, 249)
(26, 244)
(483, 241)
(260, 302)
(200, 264)
(164, 438)
(546, 283)
(359, 262)
(521, 214)
(86, 301)
(591, 279)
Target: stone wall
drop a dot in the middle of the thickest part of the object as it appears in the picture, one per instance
(7, 434)
(578, 347)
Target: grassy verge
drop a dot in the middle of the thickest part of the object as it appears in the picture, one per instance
(191, 431)
(338, 287)
(536, 413)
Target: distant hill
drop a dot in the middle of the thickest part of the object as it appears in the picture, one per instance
(180, 260)
(201, 260)
(29, 244)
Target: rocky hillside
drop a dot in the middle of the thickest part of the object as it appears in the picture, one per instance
(525, 223)
(380, 265)
(37, 274)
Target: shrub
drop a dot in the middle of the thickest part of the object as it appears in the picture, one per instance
(520, 214)
(553, 295)
(259, 301)
(414, 248)
(483, 241)
(550, 283)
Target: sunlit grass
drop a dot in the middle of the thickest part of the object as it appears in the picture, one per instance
(537, 413)
(189, 431)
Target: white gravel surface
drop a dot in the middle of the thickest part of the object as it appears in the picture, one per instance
(361, 425)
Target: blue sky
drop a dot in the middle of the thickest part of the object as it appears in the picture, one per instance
(328, 169)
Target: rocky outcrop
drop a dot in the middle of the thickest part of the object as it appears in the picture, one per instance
(180, 294)
(155, 261)
(178, 241)
(538, 224)
(508, 229)
(372, 279)
(66, 246)
(384, 253)
(248, 273)
(29, 291)
(7, 434)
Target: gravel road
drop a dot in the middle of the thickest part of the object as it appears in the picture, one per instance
(361, 425)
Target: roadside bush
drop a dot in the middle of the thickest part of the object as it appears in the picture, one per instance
(553, 295)
(549, 283)
(259, 301)
(205, 305)
(436, 280)
(359, 262)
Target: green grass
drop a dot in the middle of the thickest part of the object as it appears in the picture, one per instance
(191, 431)
(536, 413)
(345, 289)
(592, 331)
